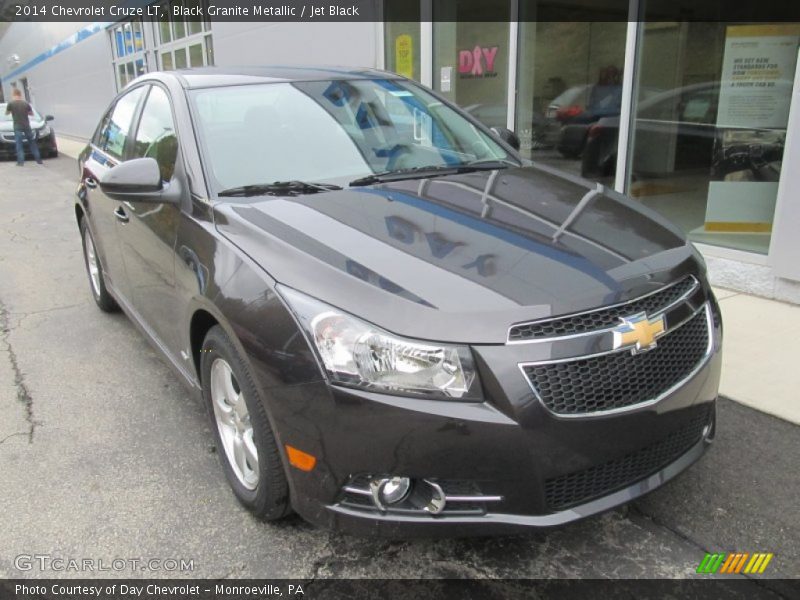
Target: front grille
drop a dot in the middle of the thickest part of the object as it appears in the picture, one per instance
(621, 379)
(579, 487)
(603, 318)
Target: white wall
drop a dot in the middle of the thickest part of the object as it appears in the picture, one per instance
(340, 44)
(76, 84)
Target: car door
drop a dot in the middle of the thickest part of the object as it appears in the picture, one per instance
(148, 231)
(108, 148)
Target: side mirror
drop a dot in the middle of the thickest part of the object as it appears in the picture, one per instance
(49, 118)
(508, 136)
(139, 180)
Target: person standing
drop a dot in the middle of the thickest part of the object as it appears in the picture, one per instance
(20, 112)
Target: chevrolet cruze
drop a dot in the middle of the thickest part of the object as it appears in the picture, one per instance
(397, 324)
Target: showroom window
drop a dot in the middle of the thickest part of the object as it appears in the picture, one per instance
(710, 127)
(702, 105)
(182, 42)
(402, 38)
(128, 50)
(470, 56)
(569, 76)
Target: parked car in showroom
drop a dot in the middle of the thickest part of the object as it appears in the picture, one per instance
(396, 330)
(573, 114)
(683, 119)
(576, 109)
(42, 131)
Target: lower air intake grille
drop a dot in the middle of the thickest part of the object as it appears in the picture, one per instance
(600, 480)
(621, 379)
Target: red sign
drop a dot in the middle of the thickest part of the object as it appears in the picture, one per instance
(479, 61)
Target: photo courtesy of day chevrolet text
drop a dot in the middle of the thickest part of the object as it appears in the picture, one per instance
(158, 590)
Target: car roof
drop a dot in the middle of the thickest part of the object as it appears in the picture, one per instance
(225, 76)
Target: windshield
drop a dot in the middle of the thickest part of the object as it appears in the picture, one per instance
(7, 117)
(331, 132)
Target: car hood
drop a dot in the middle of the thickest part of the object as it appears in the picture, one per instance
(460, 258)
(6, 126)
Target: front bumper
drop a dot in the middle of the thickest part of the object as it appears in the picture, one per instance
(545, 469)
(493, 523)
(8, 149)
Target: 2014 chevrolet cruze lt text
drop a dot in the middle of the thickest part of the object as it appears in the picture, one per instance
(399, 327)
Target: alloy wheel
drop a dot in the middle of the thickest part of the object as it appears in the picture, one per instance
(233, 423)
(91, 263)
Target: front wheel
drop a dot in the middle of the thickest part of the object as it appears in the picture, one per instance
(246, 445)
(94, 270)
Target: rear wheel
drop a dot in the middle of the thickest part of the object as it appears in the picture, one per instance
(94, 271)
(246, 445)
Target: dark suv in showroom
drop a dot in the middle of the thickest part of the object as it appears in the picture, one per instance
(398, 325)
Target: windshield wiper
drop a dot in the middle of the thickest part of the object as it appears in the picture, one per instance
(432, 171)
(281, 188)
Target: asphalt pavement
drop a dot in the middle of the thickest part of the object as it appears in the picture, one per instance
(104, 455)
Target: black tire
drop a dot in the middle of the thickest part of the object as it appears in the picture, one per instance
(100, 293)
(269, 500)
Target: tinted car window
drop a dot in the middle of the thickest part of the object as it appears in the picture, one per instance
(116, 131)
(98, 134)
(155, 136)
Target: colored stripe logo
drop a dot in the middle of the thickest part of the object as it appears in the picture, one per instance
(735, 562)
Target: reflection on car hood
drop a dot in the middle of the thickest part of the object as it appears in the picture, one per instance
(6, 126)
(460, 258)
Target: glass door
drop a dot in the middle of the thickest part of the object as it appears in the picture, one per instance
(470, 56)
(571, 62)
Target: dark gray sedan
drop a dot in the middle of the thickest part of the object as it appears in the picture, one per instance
(397, 325)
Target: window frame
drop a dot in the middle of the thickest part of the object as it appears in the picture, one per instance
(128, 60)
(183, 43)
(97, 140)
(138, 120)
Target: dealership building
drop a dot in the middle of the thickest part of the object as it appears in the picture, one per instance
(694, 117)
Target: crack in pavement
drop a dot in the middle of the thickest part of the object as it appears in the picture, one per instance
(21, 316)
(9, 436)
(23, 394)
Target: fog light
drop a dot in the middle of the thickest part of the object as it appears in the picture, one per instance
(387, 491)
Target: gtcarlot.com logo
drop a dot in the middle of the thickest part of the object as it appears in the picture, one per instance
(735, 562)
(48, 562)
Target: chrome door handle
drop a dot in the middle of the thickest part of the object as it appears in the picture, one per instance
(121, 215)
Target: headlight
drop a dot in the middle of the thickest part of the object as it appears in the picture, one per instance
(356, 353)
(44, 131)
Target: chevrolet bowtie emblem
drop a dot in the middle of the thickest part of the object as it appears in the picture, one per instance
(639, 332)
